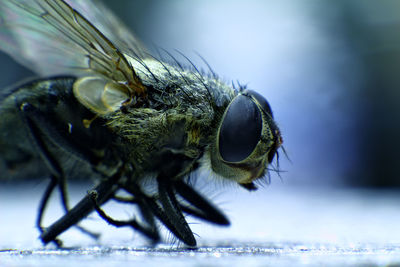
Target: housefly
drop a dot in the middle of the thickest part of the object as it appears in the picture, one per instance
(104, 108)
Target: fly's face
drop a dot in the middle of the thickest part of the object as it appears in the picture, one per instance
(247, 140)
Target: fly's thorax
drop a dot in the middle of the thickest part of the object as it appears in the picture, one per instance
(159, 86)
(166, 141)
(171, 83)
(247, 140)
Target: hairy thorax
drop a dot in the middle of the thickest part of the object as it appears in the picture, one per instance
(176, 123)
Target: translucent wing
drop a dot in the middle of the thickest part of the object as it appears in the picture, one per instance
(50, 37)
(112, 27)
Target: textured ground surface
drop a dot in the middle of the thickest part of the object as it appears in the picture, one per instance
(276, 226)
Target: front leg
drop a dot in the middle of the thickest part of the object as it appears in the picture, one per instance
(174, 212)
(205, 210)
(151, 204)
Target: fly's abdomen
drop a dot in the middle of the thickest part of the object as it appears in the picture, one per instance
(43, 117)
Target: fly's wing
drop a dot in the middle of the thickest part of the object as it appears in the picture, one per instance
(110, 25)
(51, 37)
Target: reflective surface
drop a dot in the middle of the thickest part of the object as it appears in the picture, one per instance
(277, 225)
(284, 254)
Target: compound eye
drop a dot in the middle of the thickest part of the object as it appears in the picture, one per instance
(261, 100)
(240, 130)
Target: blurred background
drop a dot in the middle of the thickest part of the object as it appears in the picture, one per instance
(328, 69)
(330, 72)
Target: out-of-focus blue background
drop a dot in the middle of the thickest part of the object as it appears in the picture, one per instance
(328, 68)
(330, 72)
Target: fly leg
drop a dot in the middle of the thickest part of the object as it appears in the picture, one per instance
(205, 210)
(44, 201)
(152, 207)
(148, 217)
(173, 211)
(104, 191)
(200, 207)
(148, 232)
(145, 211)
(38, 127)
(168, 213)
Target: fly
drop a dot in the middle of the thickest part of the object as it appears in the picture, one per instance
(106, 109)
